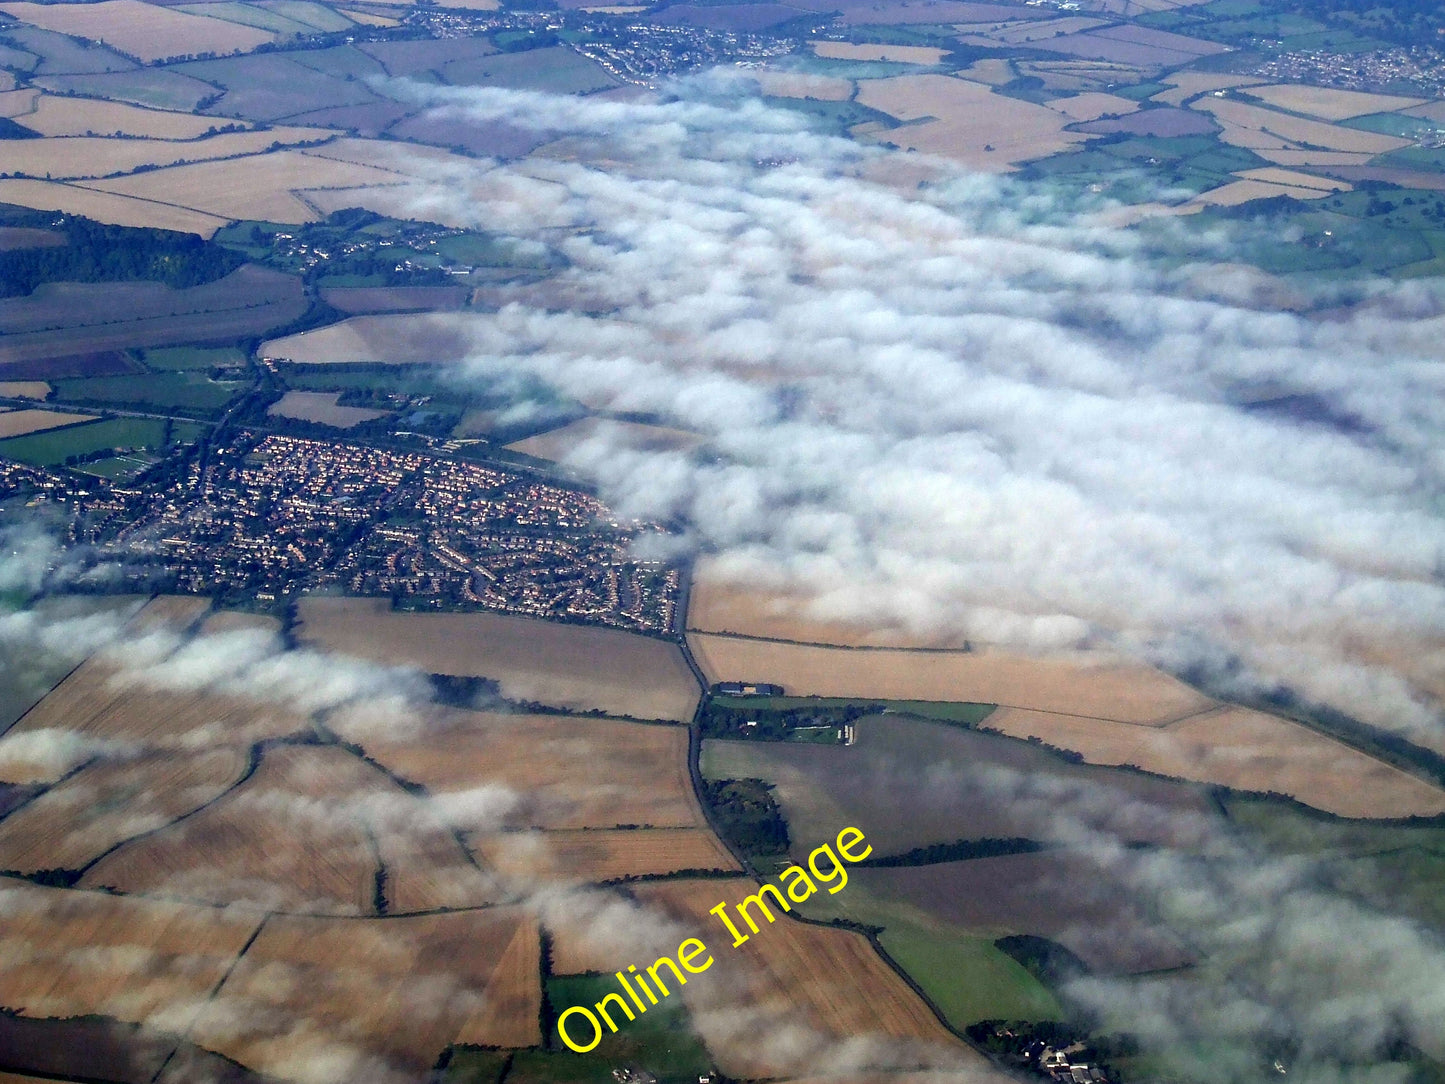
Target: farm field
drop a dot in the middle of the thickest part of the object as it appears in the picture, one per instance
(602, 855)
(104, 804)
(15, 423)
(492, 771)
(72, 953)
(373, 299)
(1102, 688)
(55, 446)
(250, 300)
(973, 126)
(321, 407)
(786, 84)
(1255, 126)
(1328, 103)
(79, 157)
(145, 31)
(106, 207)
(24, 389)
(914, 783)
(744, 602)
(601, 435)
(231, 851)
(832, 980)
(567, 666)
(53, 115)
(179, 391)
(405, 339)
(259, 186)
(1068, 897)
(1244, 749)
(349, 1000)
(899, 54)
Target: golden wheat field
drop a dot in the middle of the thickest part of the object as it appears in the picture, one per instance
(1246, 125)
(1187, 84)
(145, 31)
(513, 994)
(825, 979)
(1107, 689)
(75, 157)
(288, 837)
(1328, 103)
(106, 803)
(971, 124)
(260, 186)
(1240, 748)
(372, 996)
(603, 855)
(107, 207)
(568, 666)
(490, 771)
(1091, 105)
(69, 953)
(1237, 192)
(24, 389)
(56, 115)
(14, 423)
(405, 339)
(745, 602)
(825, 88)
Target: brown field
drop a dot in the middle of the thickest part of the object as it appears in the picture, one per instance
(1237, 192)
(1022, 33)
(54, 115)
(90, 703)
(973, 125)
(234, 621)
(321, 407)
(259, 186)
(1434, 111)
(342, 1000)
(67, 953)
(46, 325)
(1187, 84)
(558, 444)
(719, 602)
(1245, 124)
(900, 54)
(14, 423)
(279, 840)
(1091, 105)
(105, 207)
(1295, 179)
(995, 72)
(21, 237)
(592, 855)
(24, 389)
(569, 666)
(368, 299)
(1103, 688)
(171, 611)
(1287, 157)
(13, 103)
(105, 804)
(366, 18)
(1329, 104)
(141, 30)
(390, 340)
(827, 979)
(1240, 748)
(490, 771)
(825, 88)
(510, 1002)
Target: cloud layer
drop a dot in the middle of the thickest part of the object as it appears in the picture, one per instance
(972, 407)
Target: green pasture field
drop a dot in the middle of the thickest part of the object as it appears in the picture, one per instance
(57, 445)
(181, 358)
(661, 1040)
(159, 88)
(967, 977)
(965, 714)
(161, 391)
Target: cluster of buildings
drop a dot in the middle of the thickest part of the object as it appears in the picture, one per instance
(1420, 69)
(275, 516)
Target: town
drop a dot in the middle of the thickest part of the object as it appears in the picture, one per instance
(268, 517)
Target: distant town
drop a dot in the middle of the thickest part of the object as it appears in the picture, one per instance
(269, 517)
